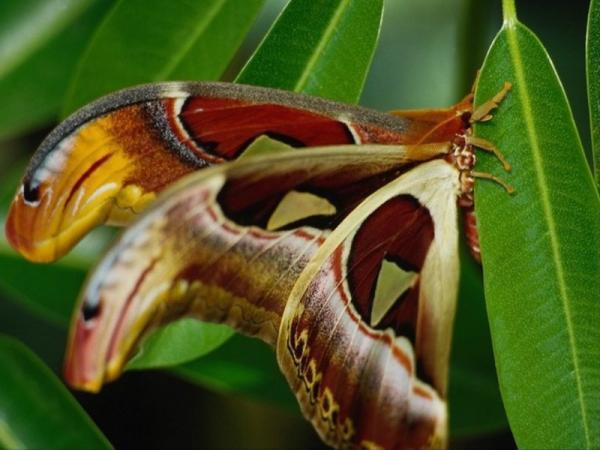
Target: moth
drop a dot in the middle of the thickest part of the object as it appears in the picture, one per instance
(328, 231)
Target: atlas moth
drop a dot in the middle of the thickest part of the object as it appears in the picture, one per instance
(328, 231)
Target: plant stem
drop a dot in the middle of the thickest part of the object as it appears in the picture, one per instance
(509, 11)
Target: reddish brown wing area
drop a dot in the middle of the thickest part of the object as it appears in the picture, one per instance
(225, 127)
(400, 231)
(250, 201)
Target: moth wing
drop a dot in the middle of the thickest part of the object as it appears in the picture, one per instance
(225, 245)
(365, 335)
(109, 160)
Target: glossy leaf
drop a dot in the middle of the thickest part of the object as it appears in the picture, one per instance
(170, 345)
(36, 410)
(593, 80)
(33, 91)
(541, 250)
(319, 47)
(152, 40)
(50, 290)
(25, 25)
(45, 338)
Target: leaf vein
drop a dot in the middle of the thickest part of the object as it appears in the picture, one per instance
(329, 32)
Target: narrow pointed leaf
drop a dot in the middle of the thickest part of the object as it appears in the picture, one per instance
(593, 80)
(319, 47)
(541, 250)
(36, 410)
(152, 40)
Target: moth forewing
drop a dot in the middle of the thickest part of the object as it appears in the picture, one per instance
(109, 160)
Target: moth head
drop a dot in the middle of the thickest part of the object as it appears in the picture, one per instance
(81, 176)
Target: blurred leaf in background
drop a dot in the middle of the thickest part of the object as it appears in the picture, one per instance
(141, 41)
(37, 410)
(41, 42)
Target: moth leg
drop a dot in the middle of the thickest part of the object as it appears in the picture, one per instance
(490, 148)
(482, 113)
(488, 176)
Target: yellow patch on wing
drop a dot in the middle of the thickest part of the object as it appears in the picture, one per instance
(299, 205)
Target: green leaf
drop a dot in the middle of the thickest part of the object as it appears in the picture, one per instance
(50, 291)
(25, 25)
(593, 81)
(170, 345)
(318, 47)
(541, 250)
(152, 40)
(45, 338)
(33, 91)
(36, 410)
(241, 366)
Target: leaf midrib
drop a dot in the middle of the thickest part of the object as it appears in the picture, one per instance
(309, 68)
(531, 128)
